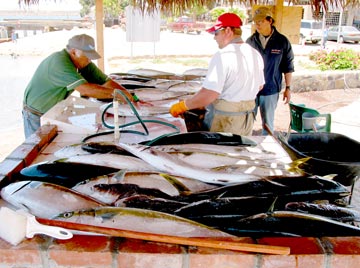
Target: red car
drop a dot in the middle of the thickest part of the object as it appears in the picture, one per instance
(186, 25)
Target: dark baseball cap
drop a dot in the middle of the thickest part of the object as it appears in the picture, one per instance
(226, 20)
(86, 44)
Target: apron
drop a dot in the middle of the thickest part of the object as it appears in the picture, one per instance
(234, 117)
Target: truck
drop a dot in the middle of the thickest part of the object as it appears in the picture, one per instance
(186, 25)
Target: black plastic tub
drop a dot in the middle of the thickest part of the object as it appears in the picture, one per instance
(331, 154)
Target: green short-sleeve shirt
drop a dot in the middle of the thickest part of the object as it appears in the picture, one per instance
(56, 78)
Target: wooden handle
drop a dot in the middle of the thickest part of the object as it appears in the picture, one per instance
(222, 243)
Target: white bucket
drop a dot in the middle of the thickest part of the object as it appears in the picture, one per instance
(309, 121)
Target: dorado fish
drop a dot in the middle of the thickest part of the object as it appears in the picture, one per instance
(46, 200)
(140, 220)
(170, 164)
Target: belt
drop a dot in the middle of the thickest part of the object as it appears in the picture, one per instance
(31, 110)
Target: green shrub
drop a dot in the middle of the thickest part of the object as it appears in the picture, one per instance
(341, 59)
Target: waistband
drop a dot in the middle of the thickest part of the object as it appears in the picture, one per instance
(31, 110)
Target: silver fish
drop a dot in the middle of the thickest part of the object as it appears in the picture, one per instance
(45, 200)
(187, 86)
(170, 164)
(149, 94)
(111, 160)
(150, 73)
(196, 71)
(140, 220)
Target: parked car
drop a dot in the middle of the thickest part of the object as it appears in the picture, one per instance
(346, 34)
(186, 25)
(310, 31)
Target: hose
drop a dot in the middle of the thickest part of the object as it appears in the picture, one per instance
(139, 121)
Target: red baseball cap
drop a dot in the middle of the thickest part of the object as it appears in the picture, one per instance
(226, 20)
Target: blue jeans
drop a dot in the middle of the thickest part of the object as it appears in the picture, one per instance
(267, 105)
(31, 123)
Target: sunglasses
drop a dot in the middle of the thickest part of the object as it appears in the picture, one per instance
(218, 30)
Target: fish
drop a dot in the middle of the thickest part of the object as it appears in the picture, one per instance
(151, 203)
(167, 183)
(126, 76)
(149, 95)
(170, 164)
(71, 150)
(45, 200)
(164, 83)
(244, 206)
(203, 137)
(114, 161)
(325, 209)
(290, 223)
(102, 147)
(140, 220)
(229, 164)
(186, 86)
(63, 173)
(112, 193)
(151, 73)
(285, 188)
(196, 71)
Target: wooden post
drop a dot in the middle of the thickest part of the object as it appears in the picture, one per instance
(279, 4)
(99, 14)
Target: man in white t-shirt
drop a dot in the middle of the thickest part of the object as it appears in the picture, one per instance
(234, 78)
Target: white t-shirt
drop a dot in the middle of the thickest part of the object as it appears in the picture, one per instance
(236, 72)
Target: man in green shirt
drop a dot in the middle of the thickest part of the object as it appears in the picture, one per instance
(60, 74)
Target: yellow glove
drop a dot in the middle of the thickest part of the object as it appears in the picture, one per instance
(178, 108)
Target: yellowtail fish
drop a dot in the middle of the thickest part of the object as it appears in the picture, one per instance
(111, 160)
(169, 184)
(45, 200)
(140, 220)
(170, 164)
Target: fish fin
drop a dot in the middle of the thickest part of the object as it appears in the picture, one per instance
(180, 187)
(272, 207)
(119, 176)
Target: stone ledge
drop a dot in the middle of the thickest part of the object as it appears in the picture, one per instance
(328, 80)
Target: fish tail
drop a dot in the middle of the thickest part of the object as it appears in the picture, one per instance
(295, 165)
(180, 187)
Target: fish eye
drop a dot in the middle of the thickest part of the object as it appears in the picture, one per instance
(67, 215)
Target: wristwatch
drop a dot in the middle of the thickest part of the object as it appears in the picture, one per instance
(287, 87)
